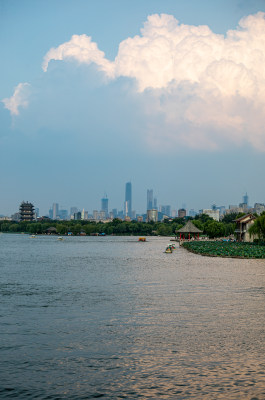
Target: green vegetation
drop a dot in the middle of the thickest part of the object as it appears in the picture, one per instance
(258, 228)
(226, 249)
(209, 227)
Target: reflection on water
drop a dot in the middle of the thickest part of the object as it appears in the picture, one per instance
(114, 318)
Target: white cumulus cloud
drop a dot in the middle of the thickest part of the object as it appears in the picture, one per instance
(206, 87)
(19, 98)
(82, 49)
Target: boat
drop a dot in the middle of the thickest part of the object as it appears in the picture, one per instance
(60, 238)
(168, 250)
(142, 239)
(33, 236)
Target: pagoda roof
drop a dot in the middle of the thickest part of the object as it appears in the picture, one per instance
(189, 228)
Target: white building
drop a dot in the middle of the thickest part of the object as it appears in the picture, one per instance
(215, 214)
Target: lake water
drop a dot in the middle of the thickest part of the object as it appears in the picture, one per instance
(112, 318)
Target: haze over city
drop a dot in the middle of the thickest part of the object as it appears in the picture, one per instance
(166, 94)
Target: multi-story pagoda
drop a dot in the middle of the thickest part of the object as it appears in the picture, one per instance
(26, 211)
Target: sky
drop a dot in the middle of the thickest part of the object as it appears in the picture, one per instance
(166, 94)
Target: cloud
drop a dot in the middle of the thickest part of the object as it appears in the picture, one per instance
(206, 88)
(82, 49)
(19, 98)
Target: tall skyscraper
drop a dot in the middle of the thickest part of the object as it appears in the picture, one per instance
(55, 210)
(149, 199)
(105, 205)
(128, 200)
(245, 199)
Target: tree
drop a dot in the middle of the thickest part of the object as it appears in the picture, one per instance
(214, 229)
(258, 228)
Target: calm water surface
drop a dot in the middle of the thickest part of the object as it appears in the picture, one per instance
(111, 318)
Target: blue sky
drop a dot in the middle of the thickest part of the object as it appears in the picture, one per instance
(166, 94)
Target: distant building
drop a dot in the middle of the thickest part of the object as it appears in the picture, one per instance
(192, 213)
(26, 211)
(152, 215)
(259, 208)
(215, 214)
(182, 213)
(73, 210)
(14, 217)
(165, 210)
(128, 200)
(244, 207)
(150, 205)
(174, 213)
(63, 214)
(55, 210)
(245, 199)
(77, 215)
(105, 205)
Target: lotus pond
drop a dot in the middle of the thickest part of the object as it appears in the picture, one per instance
(226, 249)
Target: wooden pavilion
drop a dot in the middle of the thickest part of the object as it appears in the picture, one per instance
(189, 229)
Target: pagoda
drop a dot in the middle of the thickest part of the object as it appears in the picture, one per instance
(26, 211)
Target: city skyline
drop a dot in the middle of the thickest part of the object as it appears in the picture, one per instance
(167, 95)
(56, 211)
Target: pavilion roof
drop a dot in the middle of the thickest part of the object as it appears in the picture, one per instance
(189, 228)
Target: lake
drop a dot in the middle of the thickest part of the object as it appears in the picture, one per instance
(114, 318)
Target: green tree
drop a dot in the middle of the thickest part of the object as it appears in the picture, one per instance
(215, 229)
(258, 228)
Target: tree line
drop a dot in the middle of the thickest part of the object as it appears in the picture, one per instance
(205, 223)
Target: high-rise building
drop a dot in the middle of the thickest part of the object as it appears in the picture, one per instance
(182, 213)
(245, 199)
(152, 215)
(149, 205)
(155, 204)
(165, 210)
(105, 205)
(73, 210)
(55, 210)
(26, 211)
(128, 200)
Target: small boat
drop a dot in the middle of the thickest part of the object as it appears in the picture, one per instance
(33, 236)
(60, 238)
(142, 239)
(168, 250)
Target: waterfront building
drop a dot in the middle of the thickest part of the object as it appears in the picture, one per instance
(152, 215)
(150, 205)
(188, 230)
(128, 200)
(26, 211)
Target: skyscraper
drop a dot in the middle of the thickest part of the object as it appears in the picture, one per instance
(245, 199)
(149, 199)
(105, 205)
(128, 200)
(55, 210)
